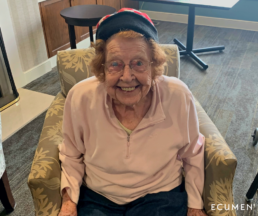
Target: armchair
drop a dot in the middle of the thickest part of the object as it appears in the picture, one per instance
(44, 178)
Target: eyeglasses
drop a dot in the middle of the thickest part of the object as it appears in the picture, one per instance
(118, 66)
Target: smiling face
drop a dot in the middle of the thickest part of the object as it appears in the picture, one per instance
(128, 87)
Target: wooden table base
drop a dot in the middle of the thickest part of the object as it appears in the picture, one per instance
(6, 196)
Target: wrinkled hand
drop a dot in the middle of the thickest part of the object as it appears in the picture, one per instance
(68, 208)
(196, 212)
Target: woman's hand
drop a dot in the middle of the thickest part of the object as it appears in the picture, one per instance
(196, 212)
(68, 208)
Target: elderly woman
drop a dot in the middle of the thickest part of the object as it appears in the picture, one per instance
(129, 130)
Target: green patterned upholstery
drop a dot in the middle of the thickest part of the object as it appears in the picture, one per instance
(220, 165)
(44, 178)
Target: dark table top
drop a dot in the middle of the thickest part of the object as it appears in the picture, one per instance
(219, 4)
(86, 15)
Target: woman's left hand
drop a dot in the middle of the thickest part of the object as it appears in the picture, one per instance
(196, 212)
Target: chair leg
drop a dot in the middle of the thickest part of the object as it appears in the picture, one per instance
(6, 196)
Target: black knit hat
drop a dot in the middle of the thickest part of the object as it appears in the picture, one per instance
(126, 19)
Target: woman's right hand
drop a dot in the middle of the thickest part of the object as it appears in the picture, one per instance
(68, 208)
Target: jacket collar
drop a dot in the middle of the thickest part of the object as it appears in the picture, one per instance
(154, 115)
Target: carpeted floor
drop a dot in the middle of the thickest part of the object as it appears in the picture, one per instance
(227, 91)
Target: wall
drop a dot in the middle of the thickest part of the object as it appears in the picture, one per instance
(244, 10)
(28, 32)
(24, 41)
(10, 43)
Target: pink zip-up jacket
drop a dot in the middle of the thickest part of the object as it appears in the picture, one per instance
(96, 150)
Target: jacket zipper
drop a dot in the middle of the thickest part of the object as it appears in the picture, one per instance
(128, 146)
(128, 142)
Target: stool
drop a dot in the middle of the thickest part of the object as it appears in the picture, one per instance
(84, 15)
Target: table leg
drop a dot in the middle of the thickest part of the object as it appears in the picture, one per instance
(252, 190)
(6, 196)
(91, 33)
(179, 44)
(190, 29)
(198, 60)
(209, 49)
(72, 36)
(188, 49)
(183, 52)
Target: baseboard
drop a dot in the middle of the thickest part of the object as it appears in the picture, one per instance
(202, 20)
(47, 66)
(37, 71)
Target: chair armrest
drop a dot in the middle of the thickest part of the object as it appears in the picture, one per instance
(45, 174)
(220, 165)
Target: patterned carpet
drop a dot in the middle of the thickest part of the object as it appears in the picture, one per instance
(227, 91)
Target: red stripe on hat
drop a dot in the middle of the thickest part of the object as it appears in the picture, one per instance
(102, 19)
(148, 18)
(125, 9)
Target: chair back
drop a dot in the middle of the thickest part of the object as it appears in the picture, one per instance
(74, 65)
